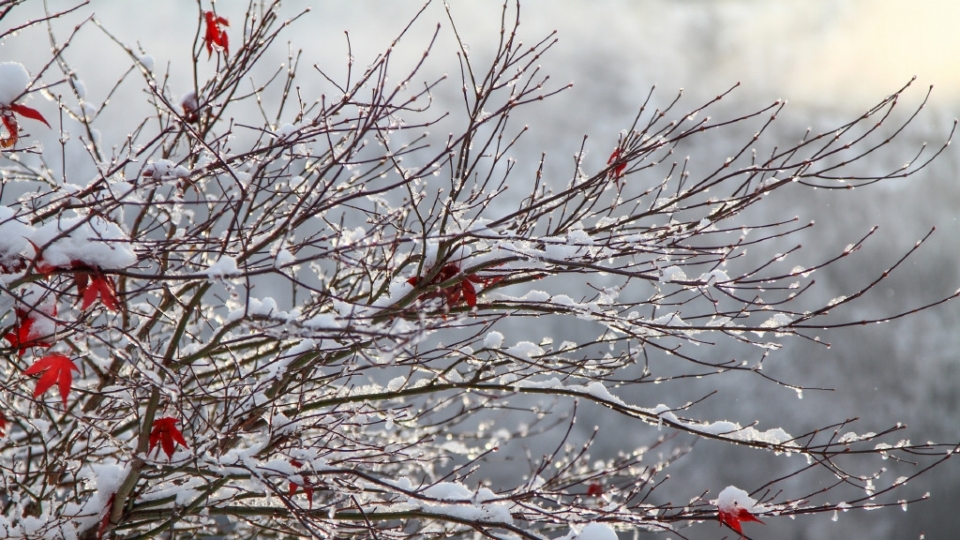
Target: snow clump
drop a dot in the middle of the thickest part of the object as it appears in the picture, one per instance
(13, 81)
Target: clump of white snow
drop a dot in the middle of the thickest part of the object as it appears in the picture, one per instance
(732, 499)
(165, 169)
(146, 61)
(90, 240)
(493, 340)
(13, 235)
(673, 273)
(224, 266)
(285, 131)
(525, 349)
(13, 81)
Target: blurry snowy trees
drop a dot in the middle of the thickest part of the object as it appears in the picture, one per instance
(284, 315)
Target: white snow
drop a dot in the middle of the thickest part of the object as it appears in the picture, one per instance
(283, 257)
(165, 169)
(718, 276)
(732, 498)
(224, 266)
(91, 240)
(672, 273)
(324, 321)
(525, 349)
(285, 131)
(493, 340)
(449, 491)
(13, 81)
(265, 307)
(13, 235)
(146, 61)
(535, 296)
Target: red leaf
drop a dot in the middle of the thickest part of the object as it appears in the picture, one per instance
(105, 522)
(453, 293)
(10, 123)
(3, 424)
(733, 519)
(307, 488)
(22, 337)
(57, 369)
(215, 35)
(40, 265)
(595, 489)
(27, 112)
(165, 431)
(617, 171)
(99, 285)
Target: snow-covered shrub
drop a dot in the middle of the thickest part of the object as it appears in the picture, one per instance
(258, 313)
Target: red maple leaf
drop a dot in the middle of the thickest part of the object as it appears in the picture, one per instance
(307, 487)
(10, 121)
(166, 433)
(57, 369)
(215, 35)
(462, 289)
(617, 172)
(92, 283)
(90, 280)
(733, 518)
(23, 336)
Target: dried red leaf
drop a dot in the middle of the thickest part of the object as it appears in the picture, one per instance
(453, 293)
(215, 35)
(733, 519)
(617, 172)
(57, 369)
(165, 432)
(13, 129)
(3, 424)
(191, 114)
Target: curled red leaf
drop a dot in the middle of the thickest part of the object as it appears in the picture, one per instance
(215, 35)
(452, 294)
(617, 172)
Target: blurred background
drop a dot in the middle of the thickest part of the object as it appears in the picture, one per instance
(832, 59)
